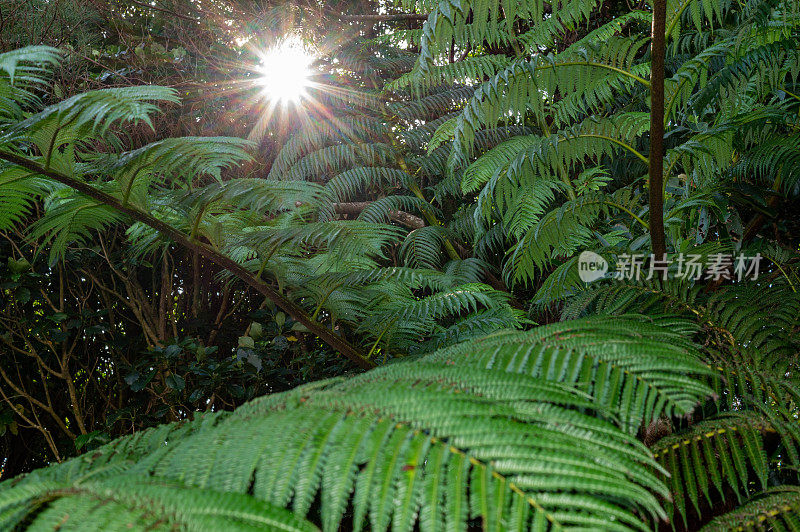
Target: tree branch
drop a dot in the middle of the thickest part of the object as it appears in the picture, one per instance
(292, 309)
(384, 18)
(357, 207)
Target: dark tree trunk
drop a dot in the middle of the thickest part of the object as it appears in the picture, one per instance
(656, 166)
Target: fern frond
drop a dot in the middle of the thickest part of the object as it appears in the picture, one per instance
(475, 325)
(141, 504)
(29, 63)
(422, 248)
(692, 73)
(776, 508)
(468, 297)
(434, 105)
(767, 65)
(259, 195)
(713, 456)
(315, 135)
(465, 71)
(342, 238)
(19, 190)
(774, 161)
(181, 159)
(323, 164)
(379, 211)
(589, 75)
(631, 369)
(562, 283)
(560, 232)
(698, 13)
(730, 313)
(71, 219)
(27, 70)
(348, 184)
(431, 443)
(91, 114)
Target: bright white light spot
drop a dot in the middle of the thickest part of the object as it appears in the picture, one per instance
(285, 71)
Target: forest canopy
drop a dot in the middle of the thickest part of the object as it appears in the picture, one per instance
(411, 265)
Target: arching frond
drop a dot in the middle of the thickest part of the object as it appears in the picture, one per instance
(323, 164)
(71, 219)
(24, 72)
(180, 159)
(465, 71)
(348, 184)
(714, 456)
(432, 443)
(379, 211)
(19, 189)
(316, 135)
(91, 114)
(110, 503)
(731, 312)
(422, 248)
(589, 75)
(560, 232)
(776, 508)
(632, 370)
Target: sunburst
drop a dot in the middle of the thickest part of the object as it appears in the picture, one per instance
(285, 72)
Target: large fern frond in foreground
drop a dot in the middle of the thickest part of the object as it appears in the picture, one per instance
(519, 432)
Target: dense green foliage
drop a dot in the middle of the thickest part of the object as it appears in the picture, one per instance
(423, 212)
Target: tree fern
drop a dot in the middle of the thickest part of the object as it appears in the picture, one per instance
(528, 149)
(432, 442)
(273, 225)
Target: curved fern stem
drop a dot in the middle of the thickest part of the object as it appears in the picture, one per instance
(431, 218)
(375, 345)
(598, 65)
(676, 17)
(322, 302)
(266, 261)
(412, 185)
(793, 95)
(786, 276)
(52, 144)
(196, 223)
(130, 185)
(627, 210)
(570, 189)
(292, 309)
(619, 143)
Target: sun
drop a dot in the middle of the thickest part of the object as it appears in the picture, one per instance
(285, 71)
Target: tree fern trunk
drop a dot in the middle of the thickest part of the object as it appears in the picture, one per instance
(656, 166)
